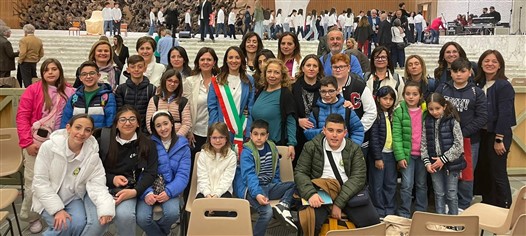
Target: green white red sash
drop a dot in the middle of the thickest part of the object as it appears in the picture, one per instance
(235, 121)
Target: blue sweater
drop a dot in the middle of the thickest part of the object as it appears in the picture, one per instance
(102, 107)
(356, 132)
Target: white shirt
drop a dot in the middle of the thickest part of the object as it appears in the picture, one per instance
(341, 20)
(337, 156)
(152, 17)
(232, 18)
(201, 121)
(117, 14)
(410, 20)
(308, 20)
(397, 37)
(66, 191)
(215, 173)
(220, 16)
(332, 20)
(107, 14)
(234, 82)
(299, 20)
(418, 19)
(187, 18)
(160, 16)
(279, 19)
(202, 10)
(349, 21)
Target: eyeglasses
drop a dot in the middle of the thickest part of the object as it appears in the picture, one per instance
(172, 81)
(91, 73)
(132, 120)
(327, 92)
(380, 58)
(338, 68)
(217, 138)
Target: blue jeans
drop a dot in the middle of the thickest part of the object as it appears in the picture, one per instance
(272, 191)
(258, 28)
(221, 26)
(434, 36)
(414, 175)
(465, 188)
(108, 26)
(125, 217)
(93, 227)
(397, 55)
(382, 185)
(418, 27)
(348, 32)
(445, 186)
(75, 226)
(162, 226)
(152, 29)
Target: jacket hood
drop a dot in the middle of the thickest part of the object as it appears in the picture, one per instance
(103, 88)
(59, 139)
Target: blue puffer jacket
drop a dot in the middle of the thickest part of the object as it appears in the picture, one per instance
(378, 136)
(356, 132)
(102, 107)
(446, 141)
(173, 165)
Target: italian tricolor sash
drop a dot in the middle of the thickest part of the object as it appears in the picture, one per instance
(235, 121)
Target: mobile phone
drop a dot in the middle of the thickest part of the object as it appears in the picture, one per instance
(42, 133)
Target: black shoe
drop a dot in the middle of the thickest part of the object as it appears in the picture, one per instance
(283, 213)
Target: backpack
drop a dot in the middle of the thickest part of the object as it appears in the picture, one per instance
(316, 113)
(376, 86)
(182, 104)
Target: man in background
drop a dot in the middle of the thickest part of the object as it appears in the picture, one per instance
(7, 56)
(31, 51)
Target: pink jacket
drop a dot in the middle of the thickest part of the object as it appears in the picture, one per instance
(30, 110)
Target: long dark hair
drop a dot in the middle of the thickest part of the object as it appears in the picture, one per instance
(243, 45)
(202, 51)
(321, 72)
(257, 73)
(178, 91)
(481, 76)
(375, 52)
(119, 45)
(297, 51)
(186, 69)
(442, 63)
(173, 134)
(449, 108)
(60, 83)
(222, 77)
(382, 92)
(142, 143)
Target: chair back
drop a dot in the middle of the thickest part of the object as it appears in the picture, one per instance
(76, 24)
(285, 165)
(378, 229)
(124, 26)
(200, 224)
(193, 185)
(95, 15)
(10, 152)
(518, 207)
(425, 223)
(520, 226)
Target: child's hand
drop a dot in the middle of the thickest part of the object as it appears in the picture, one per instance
(292, 152)
(105, 219)
(347, 104)
(315, 201)
(402, 164)
(262, 200)
(305, 123)
(379, 164)
(119, 181)
(430, 169)
(438, 163)
(150, 199)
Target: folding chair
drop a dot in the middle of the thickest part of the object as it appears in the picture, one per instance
(378, 229)
(425, 223)
(191, 197)
(3, 216)
(8, 197)
(200, 224)
(11, 155)
(520, 226)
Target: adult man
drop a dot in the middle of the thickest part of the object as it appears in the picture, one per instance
(335, 44)
(384, 31)
(331, 159)
(374, 21)
(107, 16)
(247, 20)
(117, 16)
(221, 21)
(165, 44)
(484, 12)
(31, 51)
(435, 29)
(402, 8)
(494, 14)
(7, 56)
(205, 9)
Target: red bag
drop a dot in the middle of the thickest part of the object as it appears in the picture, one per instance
(467, 173)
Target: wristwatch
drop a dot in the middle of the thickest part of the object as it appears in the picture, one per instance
(498, 140)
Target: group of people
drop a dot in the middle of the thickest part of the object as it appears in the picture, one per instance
(126, 140)
(112, 16)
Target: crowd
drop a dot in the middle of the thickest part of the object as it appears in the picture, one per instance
(124, 140)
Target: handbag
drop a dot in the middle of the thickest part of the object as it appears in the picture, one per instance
(158, 185)
(402, 45)
(42, 128)
(361, 198)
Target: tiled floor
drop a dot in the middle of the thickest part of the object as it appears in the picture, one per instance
(516, 183)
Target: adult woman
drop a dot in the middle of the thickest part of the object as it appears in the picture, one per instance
(179, 61)
(258, 18)
(306, 92)
(67, 166)
(39, 114)
(172, 18)
(290, 53)
(299, 21)
(275, 97)
(250, 46)
(449, 53)
(398, 45)
(349, 23)
(171, 98)
(120, 50)
(411, 25)
(260, 62)
(313, 30)
(145, 47)
(416, 70)
(279, 23)
(491, 176)
(130, 160)
(363, 35)
(173, 175)
(231, 96)
(382, 73)
(350, 43)
(102, 54)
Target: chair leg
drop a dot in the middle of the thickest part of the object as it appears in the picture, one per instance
(10, 229)
(21, 175)
(16, 218)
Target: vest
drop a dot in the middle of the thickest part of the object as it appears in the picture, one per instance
(445, 139)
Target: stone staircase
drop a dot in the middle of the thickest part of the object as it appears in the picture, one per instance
(71, 51)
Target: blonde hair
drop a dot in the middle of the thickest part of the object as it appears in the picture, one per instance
(423, 77)
(223, 130)
(285, 77)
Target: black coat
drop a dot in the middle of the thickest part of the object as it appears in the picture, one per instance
(384, 34)
(172, 17)
(7, 56)
(207, 10)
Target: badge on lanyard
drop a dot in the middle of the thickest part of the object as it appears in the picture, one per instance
(76, 171)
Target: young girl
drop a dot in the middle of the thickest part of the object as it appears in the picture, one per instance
(407, 133)
(173, 175)
(442, 151)
(382, 169)
(39, 114)
(69, 177)
(216, 166)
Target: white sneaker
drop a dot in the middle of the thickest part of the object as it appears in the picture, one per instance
(35, 227)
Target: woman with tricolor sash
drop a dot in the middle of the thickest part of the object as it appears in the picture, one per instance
(231, 96)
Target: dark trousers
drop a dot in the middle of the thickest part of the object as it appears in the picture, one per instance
(204, 28)
(117, 27)
(26, 72)
(397, 56)
(362, 216)
(232, 31)
(491, 175)
(4, 74)
(187, 27)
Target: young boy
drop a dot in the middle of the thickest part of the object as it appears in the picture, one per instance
(260, 180)
(93, 98)
(470, 102)
(137, 90)
(331, 101)
(107, 16)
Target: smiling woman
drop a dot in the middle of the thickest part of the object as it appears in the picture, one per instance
(449, 53)
(102, 55)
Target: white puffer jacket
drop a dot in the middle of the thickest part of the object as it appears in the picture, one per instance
(50, 166)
